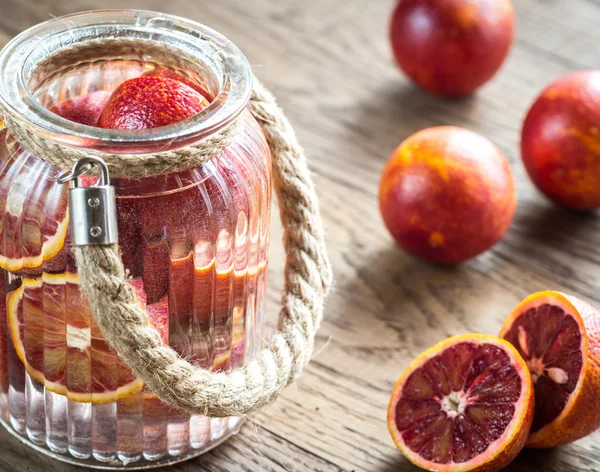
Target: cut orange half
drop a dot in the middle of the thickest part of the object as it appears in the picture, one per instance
(58, 341)
(465, 404)
(559, 338)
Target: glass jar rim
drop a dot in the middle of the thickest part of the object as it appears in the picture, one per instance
(21, 56)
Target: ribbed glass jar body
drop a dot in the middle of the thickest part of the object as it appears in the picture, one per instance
(195, 243)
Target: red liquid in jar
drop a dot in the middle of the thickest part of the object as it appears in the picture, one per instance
(195, 243)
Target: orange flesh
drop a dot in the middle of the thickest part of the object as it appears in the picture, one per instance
(35, 218)
(459, 402)
(550, 342)
(57, 339)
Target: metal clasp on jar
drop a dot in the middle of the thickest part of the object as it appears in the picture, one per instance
(92, 210)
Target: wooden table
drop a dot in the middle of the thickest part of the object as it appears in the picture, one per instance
(329, 62)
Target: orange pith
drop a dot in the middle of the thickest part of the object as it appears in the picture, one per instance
(474, 416)
(559, 337)
(50, 248)
(55, 337)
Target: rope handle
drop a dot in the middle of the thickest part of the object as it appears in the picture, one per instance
(307, 278)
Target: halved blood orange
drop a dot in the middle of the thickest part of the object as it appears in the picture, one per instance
(58, 341)
(559, 338)
(465, 404)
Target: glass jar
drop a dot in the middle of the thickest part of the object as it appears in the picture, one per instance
(195, 242)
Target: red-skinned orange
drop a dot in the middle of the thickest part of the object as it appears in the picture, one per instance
(85, 109)
(171, 74)
(447, 194)
(560, 141)
(452, 47)
(150, 102)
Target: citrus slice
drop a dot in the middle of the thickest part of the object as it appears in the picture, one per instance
(3, 341)
(234, 358)
(33, 209)
(58, 341)
(559, 338)
(465, 404)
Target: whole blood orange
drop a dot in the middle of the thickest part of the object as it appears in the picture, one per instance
(85, 109)
(452, 47)
(58, 341)
(171, 74)
(150, 102)
(559, 338)
(560, 141)
(465, 404)
(447, 194)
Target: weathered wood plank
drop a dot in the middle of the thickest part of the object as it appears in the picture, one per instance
(330, 64)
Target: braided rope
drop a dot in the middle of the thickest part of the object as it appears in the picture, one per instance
(126, 326)
(132, 166)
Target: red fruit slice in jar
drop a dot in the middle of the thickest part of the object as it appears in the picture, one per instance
(465, 404)
(181, 316)
(150, 102)
(559, 338)
(61, 346)
(33, 205)
(171, 74)
(192, 244)
(233, 359)
(33, 208)
(85, 109)
(3, 341)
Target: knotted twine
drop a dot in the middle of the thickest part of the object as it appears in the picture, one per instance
(307, 276)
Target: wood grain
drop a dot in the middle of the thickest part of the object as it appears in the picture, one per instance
(330, 64)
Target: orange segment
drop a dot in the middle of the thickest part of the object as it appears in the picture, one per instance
(465, 404)
(61, 346)
(559, 338)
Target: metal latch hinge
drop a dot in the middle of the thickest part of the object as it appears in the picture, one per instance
(92, 210)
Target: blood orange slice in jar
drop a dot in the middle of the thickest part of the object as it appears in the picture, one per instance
(33, 213)
(465, 404)
(558, 335)
(58, 341)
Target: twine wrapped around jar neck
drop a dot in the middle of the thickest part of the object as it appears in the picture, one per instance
(308, 277)
(131, 166)
(123, 165)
